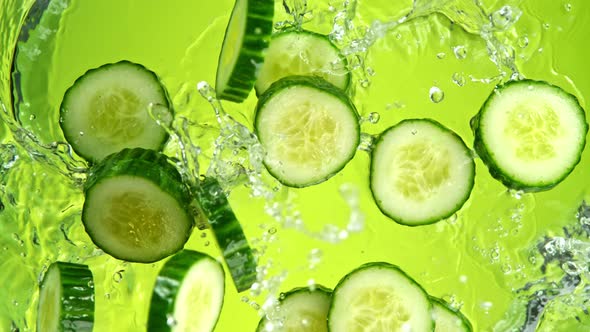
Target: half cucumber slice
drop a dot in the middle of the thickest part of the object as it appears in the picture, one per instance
(136, 207)
(106, 110)
(303, 309)
(66, 299)
(309, 129)
(421, 172)
(246, 37)
(228, 233)
(448, 319)
(188, 294)
(530, 134)
(302, 52)
(379, 297)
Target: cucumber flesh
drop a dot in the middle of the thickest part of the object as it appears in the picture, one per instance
(303, 309)
(448, 319)
(106, 110)
(66, 299)
(246, 37)
(136, 206)
(420, 163)
(188, 294)
(309, 129)
(379, 297)
(302, 53)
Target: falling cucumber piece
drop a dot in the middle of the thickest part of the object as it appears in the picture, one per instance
(448, 319)
(246, 37)
(228, 233)
(136, 207)
(66, 299)
(420, 163)
(309, 129)
(303, 309)
(106, 110)
(379, 297)
(301, 52)
(530, 134)
(188, 294)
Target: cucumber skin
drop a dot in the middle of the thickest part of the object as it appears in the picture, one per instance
(317, 83)
(80, 79)
(166, 288)
(229, 234)
(383, 265)
(77, 307)
(466, 323)
(317, 35)
(284, 296)
(488, 159)
(147, 164)
(259, 22)
(434, 219)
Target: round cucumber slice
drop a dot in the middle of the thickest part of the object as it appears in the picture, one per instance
(303, 309)
(530, 134)
(309, 128)
(136, 207)
(305, 53)
(66, 299)
(448, 319)
(188, 294)
(379, 297)
(106, 110)
(421, 172)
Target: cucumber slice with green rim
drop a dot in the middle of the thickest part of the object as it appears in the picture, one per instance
(379, 297)
(106, 110)
(309, 129)
(66, 299)
(420, 163)
(448, 319)
(302, 53)
(228, 233)
(188, 294)
(246, 37)
(530, 134)
(303, 309)
(136, 207)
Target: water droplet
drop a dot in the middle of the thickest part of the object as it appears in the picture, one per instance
(436, 94)
(32, 117)
(272, 230)
(91, 284)
(571, 268)
(365, 83)
(458, 79)
(245, 299)
(118, 276)
(81, 133)
(373, 117)
(207, 243)
(568, 7)
(203, 235)
(314, 257)
(515, 193)
(460, 52)
(370, 71)
(441, 55)
(367, 142)
(170, 320)
(546, 26)
(502, 18)
(523, 41)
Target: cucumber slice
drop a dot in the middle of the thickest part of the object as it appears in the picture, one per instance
(66, 299)
(136, 207)
(420, 163)
(228, 233)
(304, 309)
(379, 297)
(246, 37)
(106, 110)
(530, 134)
(309, 128)
(448, 319)
(302, 53)
(188, 294)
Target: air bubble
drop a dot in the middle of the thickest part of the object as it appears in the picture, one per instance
(568, 7)
(546, 26)
(458, 79)
(523, 41)
(441, 55)
(314, 257)
(373, 117)
(367, 142)
(118, 276)
(170, 320)
(460, 52)
(436, 94)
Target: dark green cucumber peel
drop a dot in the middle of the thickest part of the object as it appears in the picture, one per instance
(437, 218)
(490, 161)
(77, 296)
(228, 233)
(166, 289)
(145, 163)
(313, 82)
(85, 76)
(258, 29)
(465, 323)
